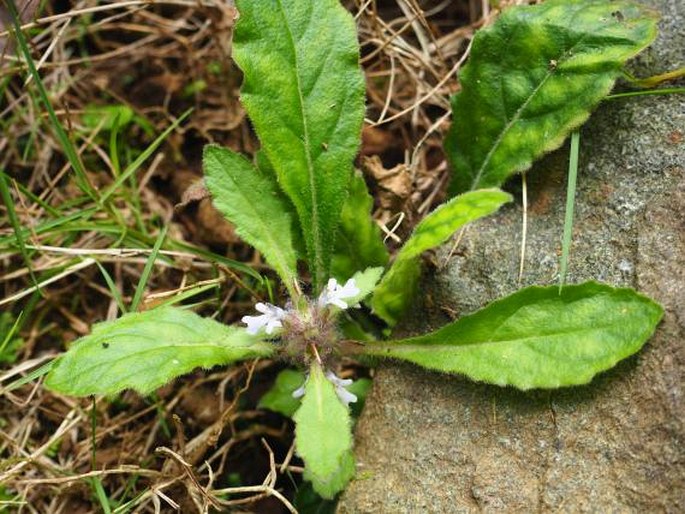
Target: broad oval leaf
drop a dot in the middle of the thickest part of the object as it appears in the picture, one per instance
(359, 244)
(397, 289)
(533, 77)
(251, 202)
(280, 397)
(304, 92)
(366, 282)
(323, 435)
(537, 337)
(144, 351)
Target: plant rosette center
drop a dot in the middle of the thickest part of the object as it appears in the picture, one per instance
(307, 328)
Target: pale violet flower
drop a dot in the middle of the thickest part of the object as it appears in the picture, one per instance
(335, 293)
(341, 385)
(270, 319)
(299, 392)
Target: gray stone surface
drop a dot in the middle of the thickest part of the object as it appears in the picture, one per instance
(430, 443)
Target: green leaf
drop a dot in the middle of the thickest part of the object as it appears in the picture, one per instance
(304, 92)
(107, 117)
(250, 201)
(280, 397)
(323, 436)
(262, 163)
(537, 337)
(361, 389)
(533, 77)
(397, 289)
(359, 244)
(366, 282)
(145, 350)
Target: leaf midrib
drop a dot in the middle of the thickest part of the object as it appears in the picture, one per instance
(318, 258)
(412, 346)
(188, 346)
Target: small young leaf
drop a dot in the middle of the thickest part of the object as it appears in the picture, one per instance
(398, 287)
(359, 244)
(366, 282)
(143, 351)
(533, 77)
(537, 337)
(280, 397)
(250, 201)
(360, 388)
(323, 435)
(304, 92)
(397, 290)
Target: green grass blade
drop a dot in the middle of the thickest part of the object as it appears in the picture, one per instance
(10, 333)
(570, 201)
(101, 495)
(114, 145)
(35, 374)
(147, 270)
(38, 200)
(112, 288)
(66, 143)
(16, 226)
(138, 162)
(186, 294)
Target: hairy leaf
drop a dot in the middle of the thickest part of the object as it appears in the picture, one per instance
(143, 351)
(280, 397)
(366, 282)
(538, 337)
(397, 290)
(533, 77)
(359, 244)
(304, 92)
(250, 201)
(262, 163)
(398, 287)
(323, 435)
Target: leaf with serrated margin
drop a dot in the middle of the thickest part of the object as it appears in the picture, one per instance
(359, 244)
(366, 282)
(145, 350)
(397, 289)
(533, 77)
(323, 435)
(537, 337)
(262, 163)
(304, 92)
(250, 201)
